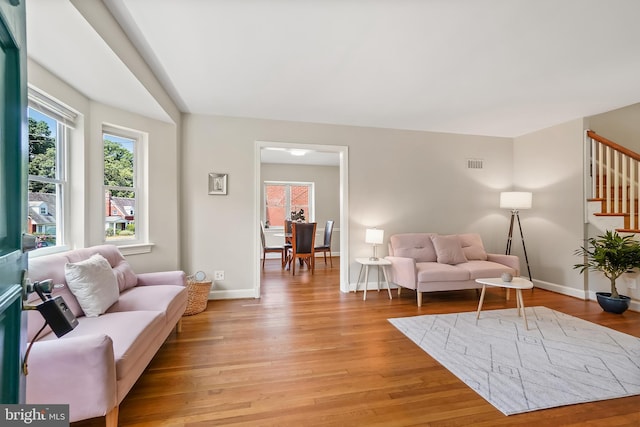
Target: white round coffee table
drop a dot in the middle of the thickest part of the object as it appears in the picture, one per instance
(517, 283)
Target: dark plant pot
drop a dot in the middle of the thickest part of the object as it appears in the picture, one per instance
(613, 305)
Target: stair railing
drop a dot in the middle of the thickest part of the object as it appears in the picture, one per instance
(614, 177)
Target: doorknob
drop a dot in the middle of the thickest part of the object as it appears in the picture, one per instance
(29, 242)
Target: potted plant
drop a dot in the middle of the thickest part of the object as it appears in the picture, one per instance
(298, 216)
(612, 255)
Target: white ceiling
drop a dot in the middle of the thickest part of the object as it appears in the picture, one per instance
(61, 40)
(483, 67)
(298, 156)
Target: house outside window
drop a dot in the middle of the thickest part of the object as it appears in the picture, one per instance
(282, 198)
(48, 123)
(123, 162)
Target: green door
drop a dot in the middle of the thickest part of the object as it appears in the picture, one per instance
(13, 195)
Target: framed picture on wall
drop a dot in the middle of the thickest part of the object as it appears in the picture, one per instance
(218, 183)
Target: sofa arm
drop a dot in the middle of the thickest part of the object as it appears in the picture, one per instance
(509, 260)
(176, 277)
(403, 271)
(78, 371)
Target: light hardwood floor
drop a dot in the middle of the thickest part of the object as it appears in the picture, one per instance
(307, 355)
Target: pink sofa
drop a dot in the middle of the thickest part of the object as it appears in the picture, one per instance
(429, 262)
(93, 367)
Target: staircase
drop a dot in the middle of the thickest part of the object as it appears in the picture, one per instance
(612, 191)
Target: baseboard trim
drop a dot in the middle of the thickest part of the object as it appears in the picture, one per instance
(561, 289)
(577, 293)
(231, 294)
(372, 286)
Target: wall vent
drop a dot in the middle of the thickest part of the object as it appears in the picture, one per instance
(475, 163)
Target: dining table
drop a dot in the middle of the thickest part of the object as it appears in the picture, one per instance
(287, 236)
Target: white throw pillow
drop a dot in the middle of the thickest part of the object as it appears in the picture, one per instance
(93, 284)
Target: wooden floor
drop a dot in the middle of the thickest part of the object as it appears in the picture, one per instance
(307, 355)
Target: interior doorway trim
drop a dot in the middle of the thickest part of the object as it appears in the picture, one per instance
(343, 152)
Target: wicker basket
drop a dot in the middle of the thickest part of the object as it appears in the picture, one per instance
(197, 297)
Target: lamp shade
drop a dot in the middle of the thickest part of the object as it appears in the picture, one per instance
(515, 200)
(374, 236)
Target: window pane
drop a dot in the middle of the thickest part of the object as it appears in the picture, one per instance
(42, 221)
(275, 199)
(118, 162)
(119, 216)
(42, 144)
(45, 183)
(300, 199)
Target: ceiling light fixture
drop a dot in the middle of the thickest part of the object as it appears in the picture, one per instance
(297, 152)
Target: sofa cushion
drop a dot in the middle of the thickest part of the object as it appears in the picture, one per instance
(169, 299)
(485, 269)
(414, 245)
(472, 246)
(93, 283)
(448, 249)
(133, 334)
(437, 272)
(125, 276)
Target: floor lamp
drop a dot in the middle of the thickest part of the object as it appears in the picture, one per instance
(516, 200)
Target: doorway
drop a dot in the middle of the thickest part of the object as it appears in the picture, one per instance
(342, 153)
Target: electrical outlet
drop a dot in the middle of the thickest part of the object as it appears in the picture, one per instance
(218, 275)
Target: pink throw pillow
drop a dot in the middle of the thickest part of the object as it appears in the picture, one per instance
(448, 249)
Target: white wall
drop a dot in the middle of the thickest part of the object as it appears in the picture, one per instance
(621, 126)
(400, 181)
(549, 163)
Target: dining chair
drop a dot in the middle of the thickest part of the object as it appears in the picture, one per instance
(287, 231)
(266, 249)
(302, 245)
(326, 246)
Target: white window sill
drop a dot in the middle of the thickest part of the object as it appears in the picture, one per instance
(48, 251)
(136, 249)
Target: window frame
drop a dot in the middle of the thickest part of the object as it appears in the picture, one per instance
(312, 199)
(140, 243)
(65, 121)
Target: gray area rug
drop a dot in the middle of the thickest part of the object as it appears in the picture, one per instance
(560, 360)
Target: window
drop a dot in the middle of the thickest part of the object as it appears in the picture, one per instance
(49, 124)
(122, 185)
(125, 186)
(283, 198)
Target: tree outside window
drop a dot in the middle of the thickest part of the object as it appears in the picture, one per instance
(46, 177)
(119, 187)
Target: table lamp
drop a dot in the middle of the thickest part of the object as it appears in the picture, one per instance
(374, 237)
(516, 200)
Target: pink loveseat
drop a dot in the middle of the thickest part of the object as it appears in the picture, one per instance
(93, 367)
(429, 262)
